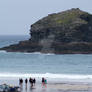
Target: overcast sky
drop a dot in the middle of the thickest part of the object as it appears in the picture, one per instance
(16, 16)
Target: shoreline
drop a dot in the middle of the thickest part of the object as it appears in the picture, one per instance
(43, 53)
(47, 53)
(54, 87)
(51, 78)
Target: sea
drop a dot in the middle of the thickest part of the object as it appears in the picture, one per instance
(64, 67)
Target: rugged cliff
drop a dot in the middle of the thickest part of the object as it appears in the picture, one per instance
(61, 33)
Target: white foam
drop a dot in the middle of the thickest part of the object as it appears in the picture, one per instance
(47, 75)
(39, 53)
(36, 53)
(3, 51)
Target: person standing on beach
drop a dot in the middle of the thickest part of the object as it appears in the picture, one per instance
(44, 82)
(31, 82)
(34, 81)
(20, 83)
(26, 81)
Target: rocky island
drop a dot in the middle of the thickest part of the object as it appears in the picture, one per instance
(67, 32)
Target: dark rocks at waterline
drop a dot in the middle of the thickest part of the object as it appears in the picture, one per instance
(61, 33)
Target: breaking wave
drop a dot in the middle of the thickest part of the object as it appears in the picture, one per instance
(47, 75)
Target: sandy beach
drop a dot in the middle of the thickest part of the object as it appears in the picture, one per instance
(50, 87)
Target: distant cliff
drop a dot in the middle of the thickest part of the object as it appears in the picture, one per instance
(61, 33)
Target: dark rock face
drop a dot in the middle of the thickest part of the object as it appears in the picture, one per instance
(61, 33)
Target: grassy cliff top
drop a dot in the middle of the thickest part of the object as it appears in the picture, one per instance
(69, 17)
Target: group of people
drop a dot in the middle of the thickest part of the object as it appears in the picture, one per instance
(44, 82)
(32, 81)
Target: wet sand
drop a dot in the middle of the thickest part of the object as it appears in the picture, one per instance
(50, 87)
(58, 88)
(71, 87)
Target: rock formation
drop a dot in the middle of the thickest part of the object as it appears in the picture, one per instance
(60, 33)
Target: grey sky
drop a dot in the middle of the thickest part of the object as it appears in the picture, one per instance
(16, 16)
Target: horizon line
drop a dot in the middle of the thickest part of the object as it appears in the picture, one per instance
(13, 34)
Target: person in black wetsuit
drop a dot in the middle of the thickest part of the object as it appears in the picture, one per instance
(43, 81)
(31, 82)
(26, 81)
(34, 81)
(20, 81)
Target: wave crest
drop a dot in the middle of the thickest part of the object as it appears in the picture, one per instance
(47, 75)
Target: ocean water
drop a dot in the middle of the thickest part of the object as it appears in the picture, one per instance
(66, 66)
